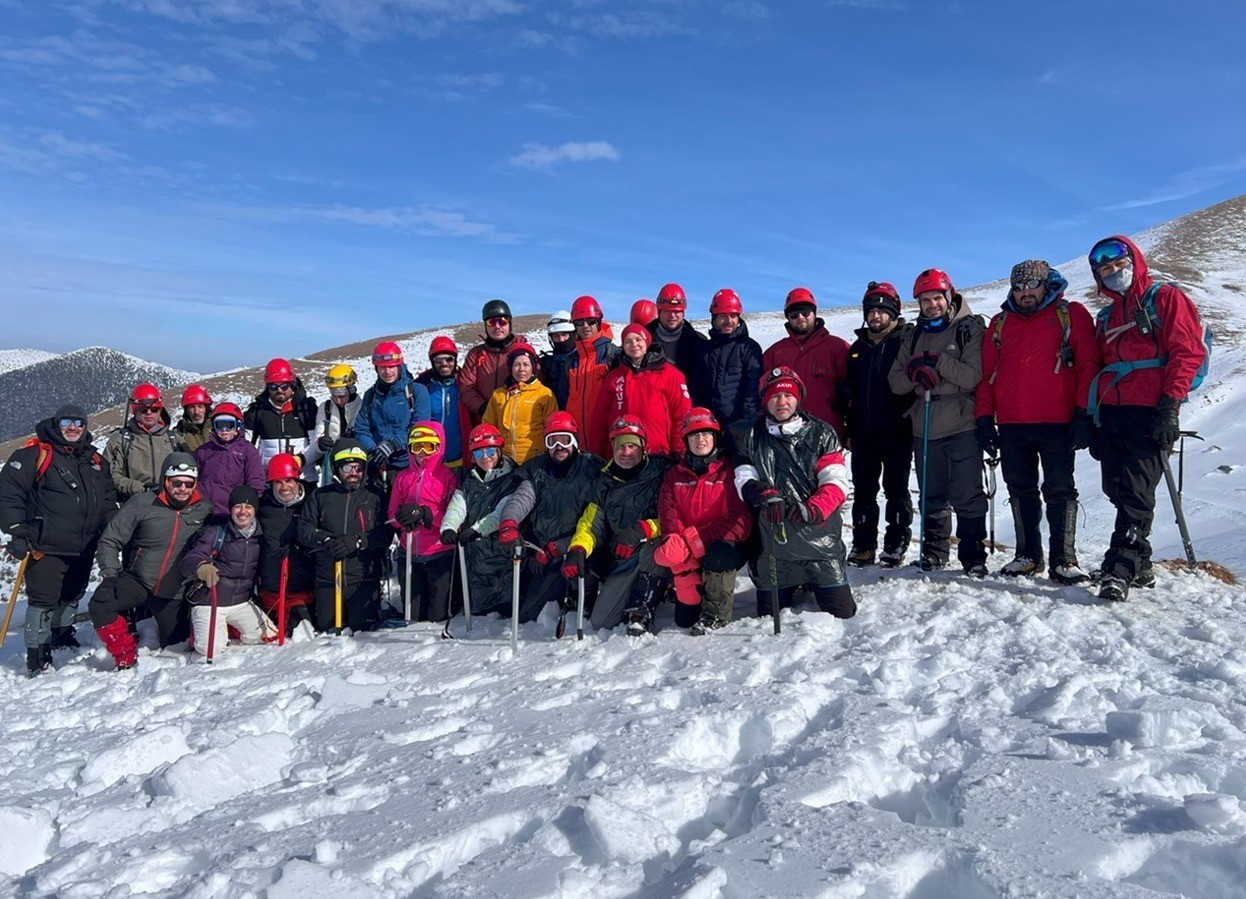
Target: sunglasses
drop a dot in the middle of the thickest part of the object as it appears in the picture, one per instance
(585, 322)
(444, 357)
(225, 424)
(487, 452)
(280, 385)
(800, 313)
(560, 440)
(339, 391)
(181, 484)
(146, 406)
(350, 466)
(72, 423)
(1032, 284)
(497, 322)
(424, 448)
(1107, 251)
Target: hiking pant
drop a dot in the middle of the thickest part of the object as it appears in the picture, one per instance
(252, 625)
(951, 478)
(1132, 468)
(541, 584)
(630, 585)
(361, 604)
(126, 593)
(889, 457)
(430, 585)
(837, 600)
(1022, 448)
(54, 584)
(706, 590)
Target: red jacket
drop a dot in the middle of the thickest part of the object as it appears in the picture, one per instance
(484, 370)
(656, 393)
(587, 372)
(821, 360)
(1179, 336)
(703, 508)
(1023, 381)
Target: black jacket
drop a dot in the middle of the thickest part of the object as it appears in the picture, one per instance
(334, 510)
(871, 408)
(726, 377)
(554, 366)
(621, 501)
(558, 500)
(688, 347)
(278, 541)
(64, 510)
(487, 559)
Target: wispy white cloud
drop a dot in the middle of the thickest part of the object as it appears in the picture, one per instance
(630, 24)
(886, 5)
(425, 220)
(544, 158)
(44, 152)
(1185, 184)
(747, 10)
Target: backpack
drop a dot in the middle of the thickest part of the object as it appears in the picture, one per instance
(47, 454)
(964, 332)
(1147, 321)
(371, 397)
(1064, 355)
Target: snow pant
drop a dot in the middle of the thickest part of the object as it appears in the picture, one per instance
(951, 475)
(836, 599)
(1022, 448)
(54, 584)
(128, 592)
(634, 585)
(1132, 469)
(538, 585)
(889, 457)
(361, 604)
(299, 607)
(705, 588)
(252, 625)
(431, 578)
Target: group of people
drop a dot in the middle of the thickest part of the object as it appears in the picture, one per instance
(650, 469)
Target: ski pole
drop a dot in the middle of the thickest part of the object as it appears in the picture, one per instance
(17, 586)
(579, 608)
(445, 630)
(921, 532)
(337, 595)
(1176, 507)
(991, 486)
(281, 602)
(517, 560)
(212, 626)
(467, 591)
(774, 587)
(406, 586)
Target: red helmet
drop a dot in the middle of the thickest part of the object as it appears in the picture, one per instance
(195, 395)
(672, 296)
(699, 419)
(278, 371)
(561, 423)
(781, 378)
(223, 409)
(586, 307)
(799, 296)
(933, 279)
(625, 425)
(881, 295)
(146, 395)
(484, 435)
(441, 346)
(387, 353)
(281, 467)
(644, 312)
(726, 301)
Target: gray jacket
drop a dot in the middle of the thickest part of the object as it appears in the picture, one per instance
(959, 347)
(157, 536)
(135, 457)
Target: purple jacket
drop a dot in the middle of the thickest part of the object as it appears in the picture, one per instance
(237, 562)
(224, 466)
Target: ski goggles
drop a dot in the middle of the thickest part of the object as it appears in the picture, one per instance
(423, 448)
(280, 385)
(1106, 251)
(1031, 284)
(226, 424)
(561, 440)
(72, 423)
(146, 406)
(497, 322)
(485, 452)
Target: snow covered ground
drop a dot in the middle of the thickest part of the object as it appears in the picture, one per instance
(955, 739)
(20, 358)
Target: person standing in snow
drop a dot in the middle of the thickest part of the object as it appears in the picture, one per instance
(282, 417)
(555, 363)
(729, 368)
(484, 368)
(681, 343)
(595, 355)
(1151, 354)
(441, 382)
(390, 407)
(56, 497)
(227, 460)
(704, 524)
(134, 453)
(193, 429)
(224, 559)
(643, 385)
(814, 353)
(283, 562)
(790, 468)
(1038, 359)
(417, 506)
(940, 364)
(880, 434)
(335, 417)
(520, 407)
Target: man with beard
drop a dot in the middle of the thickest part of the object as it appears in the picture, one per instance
(283, 562)
(595, 355)
(484, 368)
(682, 343)
(441, 382)
(814, 353)
(726, 376)
(879, 433)
(282, 417)
(193, 429)
(56, 496)
(135, 452)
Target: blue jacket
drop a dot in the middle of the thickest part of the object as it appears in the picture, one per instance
(388, 411)
(443, 397)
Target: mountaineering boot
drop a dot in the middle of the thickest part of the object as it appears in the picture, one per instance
(1021, 567)
(1027, 516)
(706, 624)
(639, 622)
(891, 558)
(65, 638)
(38, 660)
(977, 571)
(1145, 577)
(861, 557)
(1062, 518)
(120, 643)
(1113, 588)
(1068, 573)
(930, 562)
(647, 591)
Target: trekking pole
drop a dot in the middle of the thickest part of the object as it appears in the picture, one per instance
(1176, 507)
(1181, 460)
(991, 486)
(281, 602)
(774, 579)
(337, 595)
(579, 607)
(17, 586)
(445, 630)
(516, 561)
(406, 586)
(921, 531)
(212, 626)
(467, 591)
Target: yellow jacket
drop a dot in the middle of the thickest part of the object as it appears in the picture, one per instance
(519, 412)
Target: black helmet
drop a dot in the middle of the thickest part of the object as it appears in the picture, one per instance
(495, 309)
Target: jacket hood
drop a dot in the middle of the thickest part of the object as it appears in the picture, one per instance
(1056, 285)
(1142, 274)
(588, 348)
(435, 459)
(654, 357)
(50, 432)
(428, 376)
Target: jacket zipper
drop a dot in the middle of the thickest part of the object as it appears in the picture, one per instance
(164, 562)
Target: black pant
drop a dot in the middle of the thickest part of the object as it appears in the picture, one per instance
(54, 584)
(128, 592)
(1132, 468)
(837, 600)
(361, 604)
(951, 480)
(1021, 450)
(889, 456)
(430, 585)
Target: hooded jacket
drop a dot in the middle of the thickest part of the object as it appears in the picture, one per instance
(1024, 381)
(519, 412)
(337, 510)
(873, 408)
(821, 360)
(726, 376)
(703, 508)
(191, 436)
(620, 501)
(555, 366)
(224, 466)
(445, 408)
(426, 483)
(65, 509)
(654, 392)
(484, 370)
(279, 542)
(1179, 337)
(157, 535)
(290, 429)
(593, 359)
(134, 456)
(959, 348)
(549, 499)
(336, 422)
(389, 411)
(478, 504)
(237, 562)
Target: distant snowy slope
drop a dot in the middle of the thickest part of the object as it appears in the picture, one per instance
(20, 358)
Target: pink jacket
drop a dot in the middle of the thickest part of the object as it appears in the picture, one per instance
(425, 482)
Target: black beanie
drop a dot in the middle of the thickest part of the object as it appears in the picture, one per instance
(244, 493)
(69, 410)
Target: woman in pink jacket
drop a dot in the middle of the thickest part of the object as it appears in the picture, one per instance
(417, 505)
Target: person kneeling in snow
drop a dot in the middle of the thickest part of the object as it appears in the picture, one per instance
(704, 522)
(284, 565)
(790, 468)
(224, 559)
(417, 505)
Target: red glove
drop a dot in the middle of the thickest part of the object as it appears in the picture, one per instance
(573, 565)
(630, 538)
(922, 372)
(548, 554)
(805, 513)
(508, 532)
(772, 505)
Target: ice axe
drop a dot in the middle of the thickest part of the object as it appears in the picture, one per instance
(1175, 493)
(17, 586)
(212, 626)
(992, 461)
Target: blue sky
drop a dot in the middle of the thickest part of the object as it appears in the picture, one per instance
(208, 183)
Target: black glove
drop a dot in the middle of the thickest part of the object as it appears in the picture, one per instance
(409, 516)
(325, 442)
(382, 451)
(1167, 427)
(426, 517)
(107, 585)
(574, 564)
(988, 435)
(922, 370)
(17, 547)
(755, 493)
(468, 536)
(449, 537)
(343, 545)
(1082, 431)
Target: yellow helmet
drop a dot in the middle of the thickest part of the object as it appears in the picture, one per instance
(340, 375)
(348, 450)
(422, 434)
